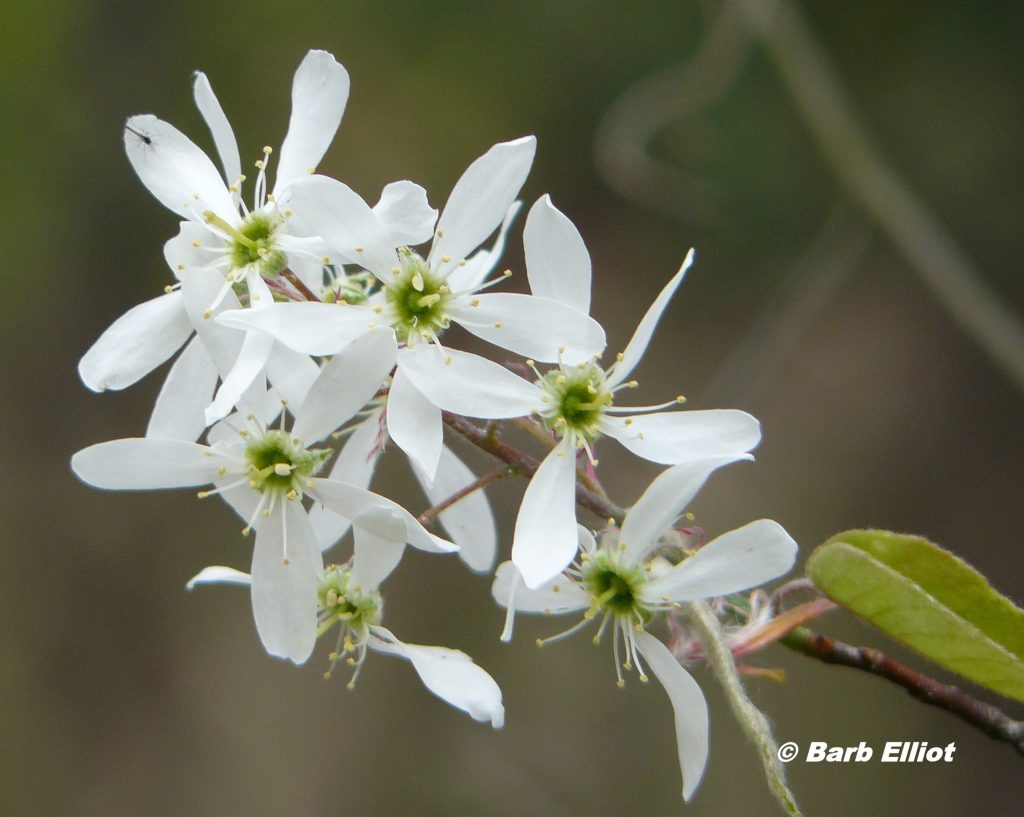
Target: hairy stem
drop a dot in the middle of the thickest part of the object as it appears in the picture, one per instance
(753, 721)
(430, 513)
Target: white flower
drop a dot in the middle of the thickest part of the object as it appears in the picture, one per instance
(263, 473)
(625, 583)
(575, 401)
(420, 296)
(217, 232)
(348, 596)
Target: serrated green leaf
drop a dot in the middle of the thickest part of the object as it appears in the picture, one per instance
(929, 599)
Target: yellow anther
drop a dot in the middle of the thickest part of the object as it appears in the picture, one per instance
(285, 561)
(629, 421)
(203, 494)
(260, 164)
(596, 641)
(445, 259)
(611, 521)
(168, 289)
(270, 197)
(644, 679)
(632, 384)
(262, 252)
(326, 260)
(556, 589)
(429, 300)
(462, 262)
(221, 471)
(292, 495)
(539, 642)
(620, 683)
(417, 282)
(378, 309)
(289, 213)
(680, 399)
(311, 170)
(233, 188)
(498, 324)
(619, 356)
(531, 363)
(327, 675)
(246, 530)
(267, 149)
(242, 178)
(507, 273)
(207, 313)
(196, 244)
(440, 233)
(359, 249)
(475, 302)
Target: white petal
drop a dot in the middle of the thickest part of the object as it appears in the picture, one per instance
(568, 598)
(481, 198)
(178, 413)
(642, 336)
(450, 674)
(352, 502)
(743, 558)
(414, 423)
(557, 261)
(673, 437)
(218, 574)
(664, 499)
(470, 521)
(199, 289)
(181, 252)
(138, 463)
(220, 128)
(404, 212)
(284, 600)
(176, 172)
(468, 384)
(346, 383)
(545, 538)
(534, 327)
(136, 343)
(688, 706)
(355, 464)
(319, 95)
(345, 222)
(379, 545)
(309, 328)
(252, 357)
(469, 276)
(292, 375)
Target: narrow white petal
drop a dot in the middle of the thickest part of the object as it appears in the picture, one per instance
(470, 521)
(252, 357)
(414, 423)
(557, 261)
(292, 375)
(352, 502)
(319, 95)
(284, 601)
(470, 276)
(468, 384)
(218, 574)
(531, 326)
(309, 328)
(220, 128)
(688, 706)
(568, 598)
(545, 538)
(138, 464)
(743, 558)
(673, 437)
(182, 253)
(176, 172)
(345, 222)
(354, 464)
(346, 383)
(481, 197)
(404, 212)
(136, 343)
(379, 545)
(178, 413)
(642, 336)
(199, 290)
(664, 499)
(450, 674)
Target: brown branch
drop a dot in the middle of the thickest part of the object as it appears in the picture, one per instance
(523, 464)
(297, 282)
(992, 721)
(430, 513)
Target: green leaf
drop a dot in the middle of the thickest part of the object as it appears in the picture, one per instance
(929, 599)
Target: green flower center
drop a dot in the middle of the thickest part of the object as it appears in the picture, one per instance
(614, 587)
(418, 297)
(279, 463)
(341, 600)
(576, 400)
(253, 242)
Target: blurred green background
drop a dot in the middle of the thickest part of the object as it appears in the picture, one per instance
(123, 695)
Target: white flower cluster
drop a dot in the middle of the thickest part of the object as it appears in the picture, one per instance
(310, 303)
